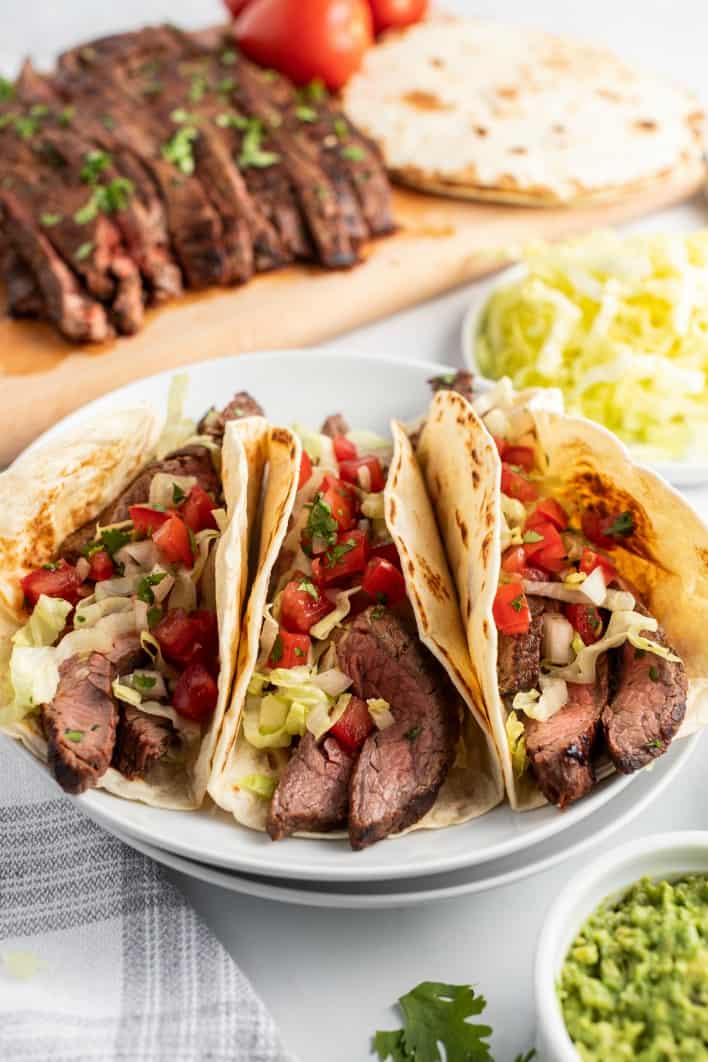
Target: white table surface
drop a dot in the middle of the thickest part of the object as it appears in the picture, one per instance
(329, 977)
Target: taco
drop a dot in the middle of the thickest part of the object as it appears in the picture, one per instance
(583, 582)
(355, 704)
(123, 565)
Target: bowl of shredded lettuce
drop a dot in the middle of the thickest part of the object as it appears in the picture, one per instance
(620, 324)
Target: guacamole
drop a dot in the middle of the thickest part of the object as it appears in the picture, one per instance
(634, 984)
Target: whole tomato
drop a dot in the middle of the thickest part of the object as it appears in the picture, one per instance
(390, 14)
(306, 39)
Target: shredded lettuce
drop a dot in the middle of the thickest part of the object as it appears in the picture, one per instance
(620, 324)
(34, 670)
(318, 447)
(261, 785)
(516, 737)
(380, 712)
(46, 623)
(288, 701)
(177, 428)
(624, 626)
(341, 610)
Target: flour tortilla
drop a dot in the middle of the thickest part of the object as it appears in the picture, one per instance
(51, 492)
(486, 111)
(474, 784)
(666, 558)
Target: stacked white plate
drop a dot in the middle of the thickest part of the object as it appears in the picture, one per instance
(494, 850)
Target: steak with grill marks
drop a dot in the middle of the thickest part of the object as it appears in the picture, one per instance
(24, 298)
(461, 381)
(142, 741)
(80, 722)
(241, 405)
(519, 655)
(561, 749)
(400, 769)
(313, 791)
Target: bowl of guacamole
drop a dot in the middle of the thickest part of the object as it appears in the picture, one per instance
(622, 962)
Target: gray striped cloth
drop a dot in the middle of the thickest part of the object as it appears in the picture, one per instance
(101, 958)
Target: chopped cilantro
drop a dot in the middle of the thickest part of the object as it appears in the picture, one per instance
(49, 220)
(655, 744)
(377, 611)
(154, 616)
(654, 673)
(252, 154)
(532, 536)
(113, 539)
(114, 196)
(445, 379)
(84, 251)
(228, 57)
(353, 152)
(320, 522)
(435, 1018)
(95, 162)
(306, 114)
(622, 526)
(298, 651)
(639, 653)
(341, 128)
(321, 191)
(412, 734)
(335, 554)
(51, 567)
(144, 682)
(518, 603)
(226, 85)
(179, 151)
(107, 121)
(192, 542)
(66, 116)
(146, 584)
(153, 88)
(74, 735)
(315, 90)
(39, 110)
(277, 651)
(231, 120)
(198, 87)
(25, 126)
(178, 494)
(308, 587)
(87, 212)
(270, 75)
(7, 88)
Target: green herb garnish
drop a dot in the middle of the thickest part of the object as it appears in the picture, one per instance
(84, 251)
(144, 682)
(353, 152)
(7, 88)
(179, 150)
(226, 85)
(113, 539)
(306, 114)
(654, 673)
(252, 154)
(436, 1015)
(298, 651)
(320, 522)
(308, 587)
(198, 87)
(532, 536)
(107, 121)
(95, 162)
(377, 611)
(154, 616)
(49, 220)
(341, 128)
(87, 212)
(315, 90)
(412, 734)
(228, 57)
(74, 735)
(231, 120)
(52, 566)
(66, 116)
(518, 603)
(178, 494)
(144, 591)
(277, 651)
(334, 555)
(622, 526)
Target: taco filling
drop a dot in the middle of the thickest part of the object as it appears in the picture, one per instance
(119, 654)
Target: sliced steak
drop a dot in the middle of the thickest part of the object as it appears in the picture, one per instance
(401, 769)
(24, 299)
(560, 750)
(334, 425)
(241, 405)
(519, 655)
(193, 460)
(461, 381)
(80, 722)
(141, 742)
(313, 791)
(127, 653)
(647, 708)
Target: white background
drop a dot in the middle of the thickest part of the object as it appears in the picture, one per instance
(329, 977)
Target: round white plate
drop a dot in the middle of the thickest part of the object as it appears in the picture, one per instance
(679, 473)
(306, 386)
(443, 886)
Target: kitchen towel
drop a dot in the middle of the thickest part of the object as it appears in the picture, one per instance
(101, 958)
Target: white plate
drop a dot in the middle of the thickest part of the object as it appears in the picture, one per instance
(445, 886)
(680, 473)
(306, 386)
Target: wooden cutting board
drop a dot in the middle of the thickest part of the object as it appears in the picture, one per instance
(440, 244)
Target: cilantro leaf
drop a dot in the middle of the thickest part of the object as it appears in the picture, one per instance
(154, 616)
(532, 536)
(390, 1045)
(144, 682)
(178, 494)
(412, 734)
(528, 1057)
(112, 539)
(353, 152)
(308, 587)
(335, 554)
(146, 584)
(518, 603)
(622, 526)
(276, 654)
(320, 522)
(74, 735)
(434, 1016)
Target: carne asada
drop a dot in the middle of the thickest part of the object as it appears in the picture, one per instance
(118, 660)
(154, 160)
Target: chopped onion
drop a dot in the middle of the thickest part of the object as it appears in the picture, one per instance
(269, 632)
(380, 712)
(497, 423)
(364, 478)
(162, 488)
(557, 638)
(141, 615)
(124, 585)
(554, 695)
(501, 395)
(161, 590)
(595, 586)
(143, 553)
(184, 592)
(82, 569)
(332, 681)
(126, 693)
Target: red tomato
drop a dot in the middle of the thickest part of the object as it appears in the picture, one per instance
(586, 620)
(344, 450)
(388, 551)
(147, 520)
(305, 469)
(389, 14)
(589, 560)
(348, 557)
(331, 37)
(384, 582)
(606, 531)
(205, 627)
(60, 580)
(511, 610)
(341, 500)
(501, 444)
(549, 511)
(353, 728)
(173, 542)
(196, 693)
(236, 6)
(301, 608)
(289, 650)
(522, 456)
(515, 485)
(349, 471)
(197, 510)
(101, 566)
(184, 638)
(549, 552)
(515, 561)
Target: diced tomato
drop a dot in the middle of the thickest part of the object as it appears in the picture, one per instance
(173, 542)
(388, 551)
(342, 501)
(350, 471)
(344, 450)
(586, 620)
(147, 520)
(101, 566)
(590, 559)
(196, 693)
(185, 637)
(521, 456)
(516, 485)
(606, 531)
(206, 636)
(515, 560)
(302, 604)
(501, 444)
(305, 469)
(384, 582)
(56, 580)
(549, 551)
(511, 609)
(289, 650)
(197, 510)
(548, 511)
(353, 728)
(348, 557)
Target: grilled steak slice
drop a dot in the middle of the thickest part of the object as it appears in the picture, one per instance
(334, 425)
(401, 769)
(519, 655)
(24, 299)
(560, 750)
(80, 722)
(647, 708)
(193, 460)
(127, 653)
(141, 742)
(241, 405)
(313, 791)
(462, 382)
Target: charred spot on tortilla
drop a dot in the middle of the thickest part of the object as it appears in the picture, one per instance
(468, 609)
(485, 624)
(464, 533)
(475, 478)
(392, 508)
(433, 579)
(424, 101)
(486, 545)
(282, 436)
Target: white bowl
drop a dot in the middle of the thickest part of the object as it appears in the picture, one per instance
(666, 855)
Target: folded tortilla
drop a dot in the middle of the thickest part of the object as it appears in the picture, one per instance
(666, 558)
(56, 489)
(474, 784)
